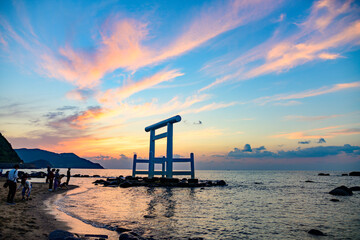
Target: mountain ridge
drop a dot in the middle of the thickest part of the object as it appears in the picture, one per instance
(58, 160)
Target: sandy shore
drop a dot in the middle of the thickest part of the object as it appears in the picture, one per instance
(29, 219)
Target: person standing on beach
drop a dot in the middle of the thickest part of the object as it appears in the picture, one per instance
(48, 173)
(56, 179)
(51, 179)
(68, 175)
(12, 177)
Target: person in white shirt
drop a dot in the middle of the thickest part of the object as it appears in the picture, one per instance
(12, 177)
(26, 184)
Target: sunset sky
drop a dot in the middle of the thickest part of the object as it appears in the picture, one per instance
(258, 84)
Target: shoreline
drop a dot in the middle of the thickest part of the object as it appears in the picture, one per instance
(29, 219)
(37, 218)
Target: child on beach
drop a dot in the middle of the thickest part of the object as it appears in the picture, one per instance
(26, 184)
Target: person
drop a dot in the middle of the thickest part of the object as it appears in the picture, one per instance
(62, 185)
(51, 179)
(56, 179)
(27, 186)
(1, 172)
(48, 173)
(68, 175)
(12, 177)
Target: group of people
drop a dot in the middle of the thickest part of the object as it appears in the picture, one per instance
(53, 178)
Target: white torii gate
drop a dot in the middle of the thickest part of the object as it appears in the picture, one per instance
(167, 163)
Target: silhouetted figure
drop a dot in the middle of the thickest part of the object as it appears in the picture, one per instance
(48, 173)
(12, 177)
(56, 179)
(51, 179)
(68, 175)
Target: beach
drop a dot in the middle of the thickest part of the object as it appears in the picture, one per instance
(29, 219)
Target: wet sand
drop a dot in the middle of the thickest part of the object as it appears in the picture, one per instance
(29, 219)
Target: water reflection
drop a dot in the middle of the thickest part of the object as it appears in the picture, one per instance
(161, 200)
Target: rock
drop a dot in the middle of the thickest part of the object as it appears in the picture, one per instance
(221, 183)
(334, 200)
(354, 174)
(149, 216)
(196, 238)
(62, 235)
(125, 184)
(323, 174)
(127, 236)
(193, 180)
(309, 181)
(121, 230)
(341, 191)
(344, 174)
(354, 189)
(316, 232)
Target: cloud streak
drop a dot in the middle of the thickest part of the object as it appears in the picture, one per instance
(307, 94)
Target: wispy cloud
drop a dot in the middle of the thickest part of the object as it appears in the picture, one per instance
(311, 118)
(119, 94)
(331, 27)
(308, 93)
(320, 133)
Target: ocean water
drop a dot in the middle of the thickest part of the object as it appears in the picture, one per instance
(254, 205)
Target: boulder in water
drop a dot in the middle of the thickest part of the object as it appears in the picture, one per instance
(354, 174)
(323, 174)
(316, 232)
(354, 189)
(341, 191)
(121, 230)
(62, 235)
(344, 174)
(334, 200)
(127, 236)
(125, 184)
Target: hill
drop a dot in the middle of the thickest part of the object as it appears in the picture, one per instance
(7, 153)
(57, 160)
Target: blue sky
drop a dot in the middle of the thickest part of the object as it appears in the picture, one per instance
(276, 76)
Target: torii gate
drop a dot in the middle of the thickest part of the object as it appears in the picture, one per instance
(167, 163)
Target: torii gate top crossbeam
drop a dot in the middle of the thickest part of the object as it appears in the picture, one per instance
(163, 123)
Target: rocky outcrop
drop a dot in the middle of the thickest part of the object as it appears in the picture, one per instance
(130, 181)
(323, 174)
(341, 191)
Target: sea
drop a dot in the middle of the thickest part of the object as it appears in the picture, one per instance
(253, 205)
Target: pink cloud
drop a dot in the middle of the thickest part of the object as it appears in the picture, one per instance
(331, 25)
(122, 43)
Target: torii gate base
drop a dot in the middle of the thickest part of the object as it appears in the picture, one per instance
(167, 163)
